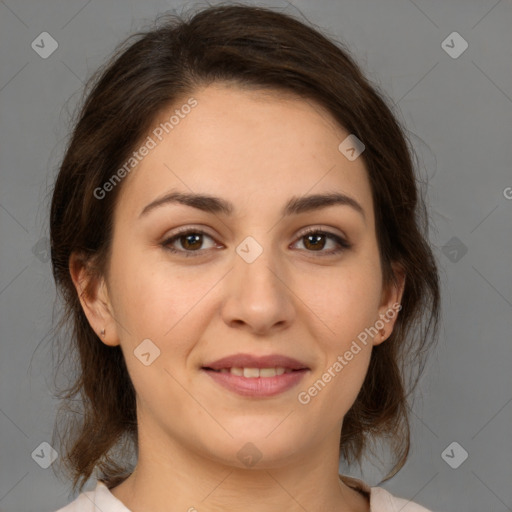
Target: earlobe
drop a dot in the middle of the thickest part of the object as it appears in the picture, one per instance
(93, 294)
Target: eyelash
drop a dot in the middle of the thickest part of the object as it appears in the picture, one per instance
(342, 243)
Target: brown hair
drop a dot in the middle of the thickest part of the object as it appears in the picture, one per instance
(257, 48)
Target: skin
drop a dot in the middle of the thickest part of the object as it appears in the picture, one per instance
(255, 149)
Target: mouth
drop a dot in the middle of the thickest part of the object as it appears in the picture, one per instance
(256, 382)
(256, 376)
(254, 373)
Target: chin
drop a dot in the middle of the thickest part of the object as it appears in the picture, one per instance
(255, 448)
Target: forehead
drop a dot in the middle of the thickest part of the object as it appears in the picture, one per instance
(251, 147)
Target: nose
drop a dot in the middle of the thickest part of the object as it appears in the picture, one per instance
(258, 295)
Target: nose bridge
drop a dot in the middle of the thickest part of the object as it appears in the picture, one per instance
(256, 266)
(257, 295)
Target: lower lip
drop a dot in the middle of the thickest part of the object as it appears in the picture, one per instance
(257, 386)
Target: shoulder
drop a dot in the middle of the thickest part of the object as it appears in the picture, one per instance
(83, 503)
(99, 498)
(382, 500)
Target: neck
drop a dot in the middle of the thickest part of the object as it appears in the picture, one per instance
(180, 478)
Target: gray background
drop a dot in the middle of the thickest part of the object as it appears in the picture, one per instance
(458, 112)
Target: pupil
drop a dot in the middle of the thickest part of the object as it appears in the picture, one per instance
(315, 244)
(192, 237)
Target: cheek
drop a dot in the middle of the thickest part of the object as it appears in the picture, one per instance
(347, 302)
(152, 298)
(333, 390)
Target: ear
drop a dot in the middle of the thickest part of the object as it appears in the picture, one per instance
(93, 294)
(390, 304)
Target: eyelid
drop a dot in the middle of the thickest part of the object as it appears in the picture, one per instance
(188, 229)
(321, 228)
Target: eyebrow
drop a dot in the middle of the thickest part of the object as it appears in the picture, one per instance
(294, 206)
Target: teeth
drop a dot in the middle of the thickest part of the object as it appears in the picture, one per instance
(251, 373)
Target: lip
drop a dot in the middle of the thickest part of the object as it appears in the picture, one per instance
(250, 361)
(257, 386)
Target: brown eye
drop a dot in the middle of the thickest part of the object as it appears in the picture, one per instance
(316, 240)
(190, 242)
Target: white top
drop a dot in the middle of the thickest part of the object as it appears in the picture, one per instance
(102, 500)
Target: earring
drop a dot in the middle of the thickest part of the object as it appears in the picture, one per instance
(102, 332)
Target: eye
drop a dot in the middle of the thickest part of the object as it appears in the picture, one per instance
(190, 240)
(315, 239)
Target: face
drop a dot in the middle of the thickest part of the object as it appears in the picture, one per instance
(272, 274)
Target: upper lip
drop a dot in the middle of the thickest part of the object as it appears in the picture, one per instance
(250, 361)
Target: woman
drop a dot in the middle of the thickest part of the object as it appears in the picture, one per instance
(236, 235)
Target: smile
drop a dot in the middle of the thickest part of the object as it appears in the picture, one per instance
(251, 373)
(256, 382)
